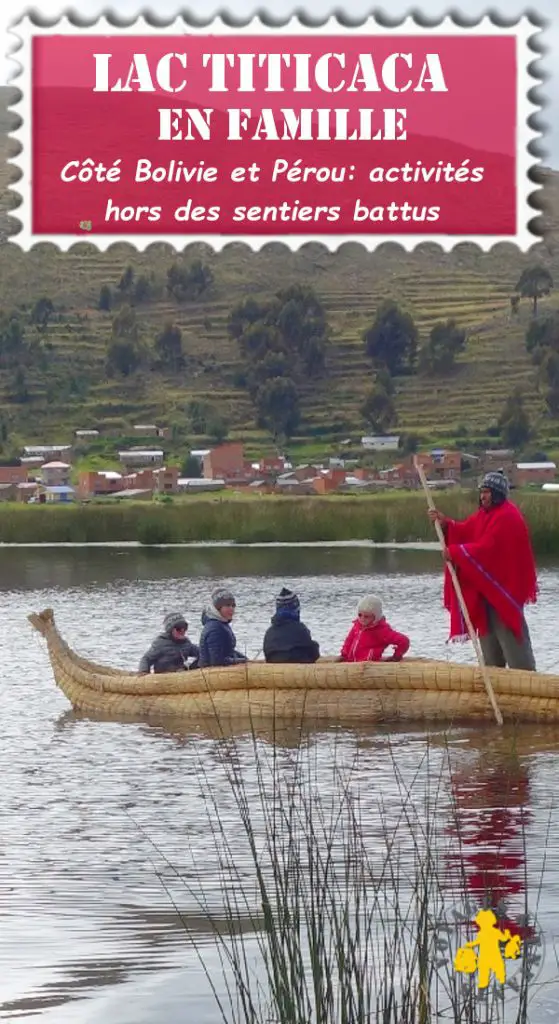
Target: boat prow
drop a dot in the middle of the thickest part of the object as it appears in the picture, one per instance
(328, 692)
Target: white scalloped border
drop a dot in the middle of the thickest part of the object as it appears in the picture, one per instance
(523, 30)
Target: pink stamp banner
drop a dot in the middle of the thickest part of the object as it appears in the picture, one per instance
(257, 134)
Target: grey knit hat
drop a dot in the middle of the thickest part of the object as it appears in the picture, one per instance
(174, 620)
(371, 605)
(287, 599)
(497, 483)
(221, 597)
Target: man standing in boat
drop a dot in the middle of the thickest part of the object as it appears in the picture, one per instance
(492, 554)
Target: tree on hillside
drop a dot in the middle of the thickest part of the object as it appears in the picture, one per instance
(274, 364)
(383, 380)
(292, 322)
(13, 346)
(446, 341)
(552, 401)
(169, 348)
(548, 378)
(514, 422)
(189, 281)
(548, 370)
(124, 352)
(283, 342)
(192, 467)
(217, 427)
(533, 283)
(409, 444)
(391, 341)
(542, 334)
(19, 387)
(378, 410)
(126, 280)
(197, 412)
(277, 405)
(247, 313)
(207, 419)
(105, 298)
(302, 322)
(41, 313)
(258, 341)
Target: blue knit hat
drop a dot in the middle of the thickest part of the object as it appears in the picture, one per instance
(287, 600)
(497, 483)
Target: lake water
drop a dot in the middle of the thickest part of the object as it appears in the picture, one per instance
(100, 818)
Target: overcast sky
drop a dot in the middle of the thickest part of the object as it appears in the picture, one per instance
(10, 10)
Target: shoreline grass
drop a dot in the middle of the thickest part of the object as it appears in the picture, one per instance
(394, 518)
(352, 921)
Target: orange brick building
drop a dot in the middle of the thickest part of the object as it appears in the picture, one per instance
(526, 473)
(441, 464)
(13, 474)
(226, 462)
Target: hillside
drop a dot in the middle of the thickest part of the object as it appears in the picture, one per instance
(473, 288)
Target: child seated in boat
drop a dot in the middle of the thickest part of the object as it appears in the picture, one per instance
(287, 639)
(217, 639)
(370, 635)
(171, 648)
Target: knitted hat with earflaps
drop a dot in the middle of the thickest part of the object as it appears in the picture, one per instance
(497, 483)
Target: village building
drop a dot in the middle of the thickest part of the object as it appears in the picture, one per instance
(27, 491)
(150, 430)
(48, 452)
(226, 462)
(441, 464)
(198, 483)
(139, 457)
(526, 473)
(55, 474)
(93, 483)
(57, 493)
(13, 475)
(328, 481)
(381, 443)
(499, 458)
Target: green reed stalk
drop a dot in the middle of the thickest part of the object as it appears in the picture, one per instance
(345, 929)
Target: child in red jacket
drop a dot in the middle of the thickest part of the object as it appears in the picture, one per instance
(370, 635)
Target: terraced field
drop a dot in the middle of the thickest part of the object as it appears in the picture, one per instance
(473, 288)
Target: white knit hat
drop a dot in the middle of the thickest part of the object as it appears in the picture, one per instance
(372, 605)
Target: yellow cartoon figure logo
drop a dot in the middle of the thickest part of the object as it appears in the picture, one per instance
(489, 959)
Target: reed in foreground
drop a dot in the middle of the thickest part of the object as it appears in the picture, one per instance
(353, 919)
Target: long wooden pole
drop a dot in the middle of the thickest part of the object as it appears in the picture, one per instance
(458, 590)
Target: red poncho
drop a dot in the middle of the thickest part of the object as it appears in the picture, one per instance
(493, 558)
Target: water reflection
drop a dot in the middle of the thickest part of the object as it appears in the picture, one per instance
(490, 817)
(28, 568)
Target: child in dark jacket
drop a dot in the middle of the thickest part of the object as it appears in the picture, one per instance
(217, 639)
(288, 639)
(371, 635)
(171, 648)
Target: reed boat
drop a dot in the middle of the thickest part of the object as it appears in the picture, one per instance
(324, 693)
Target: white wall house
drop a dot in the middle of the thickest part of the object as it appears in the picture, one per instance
(139, 457)
(381, 443)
